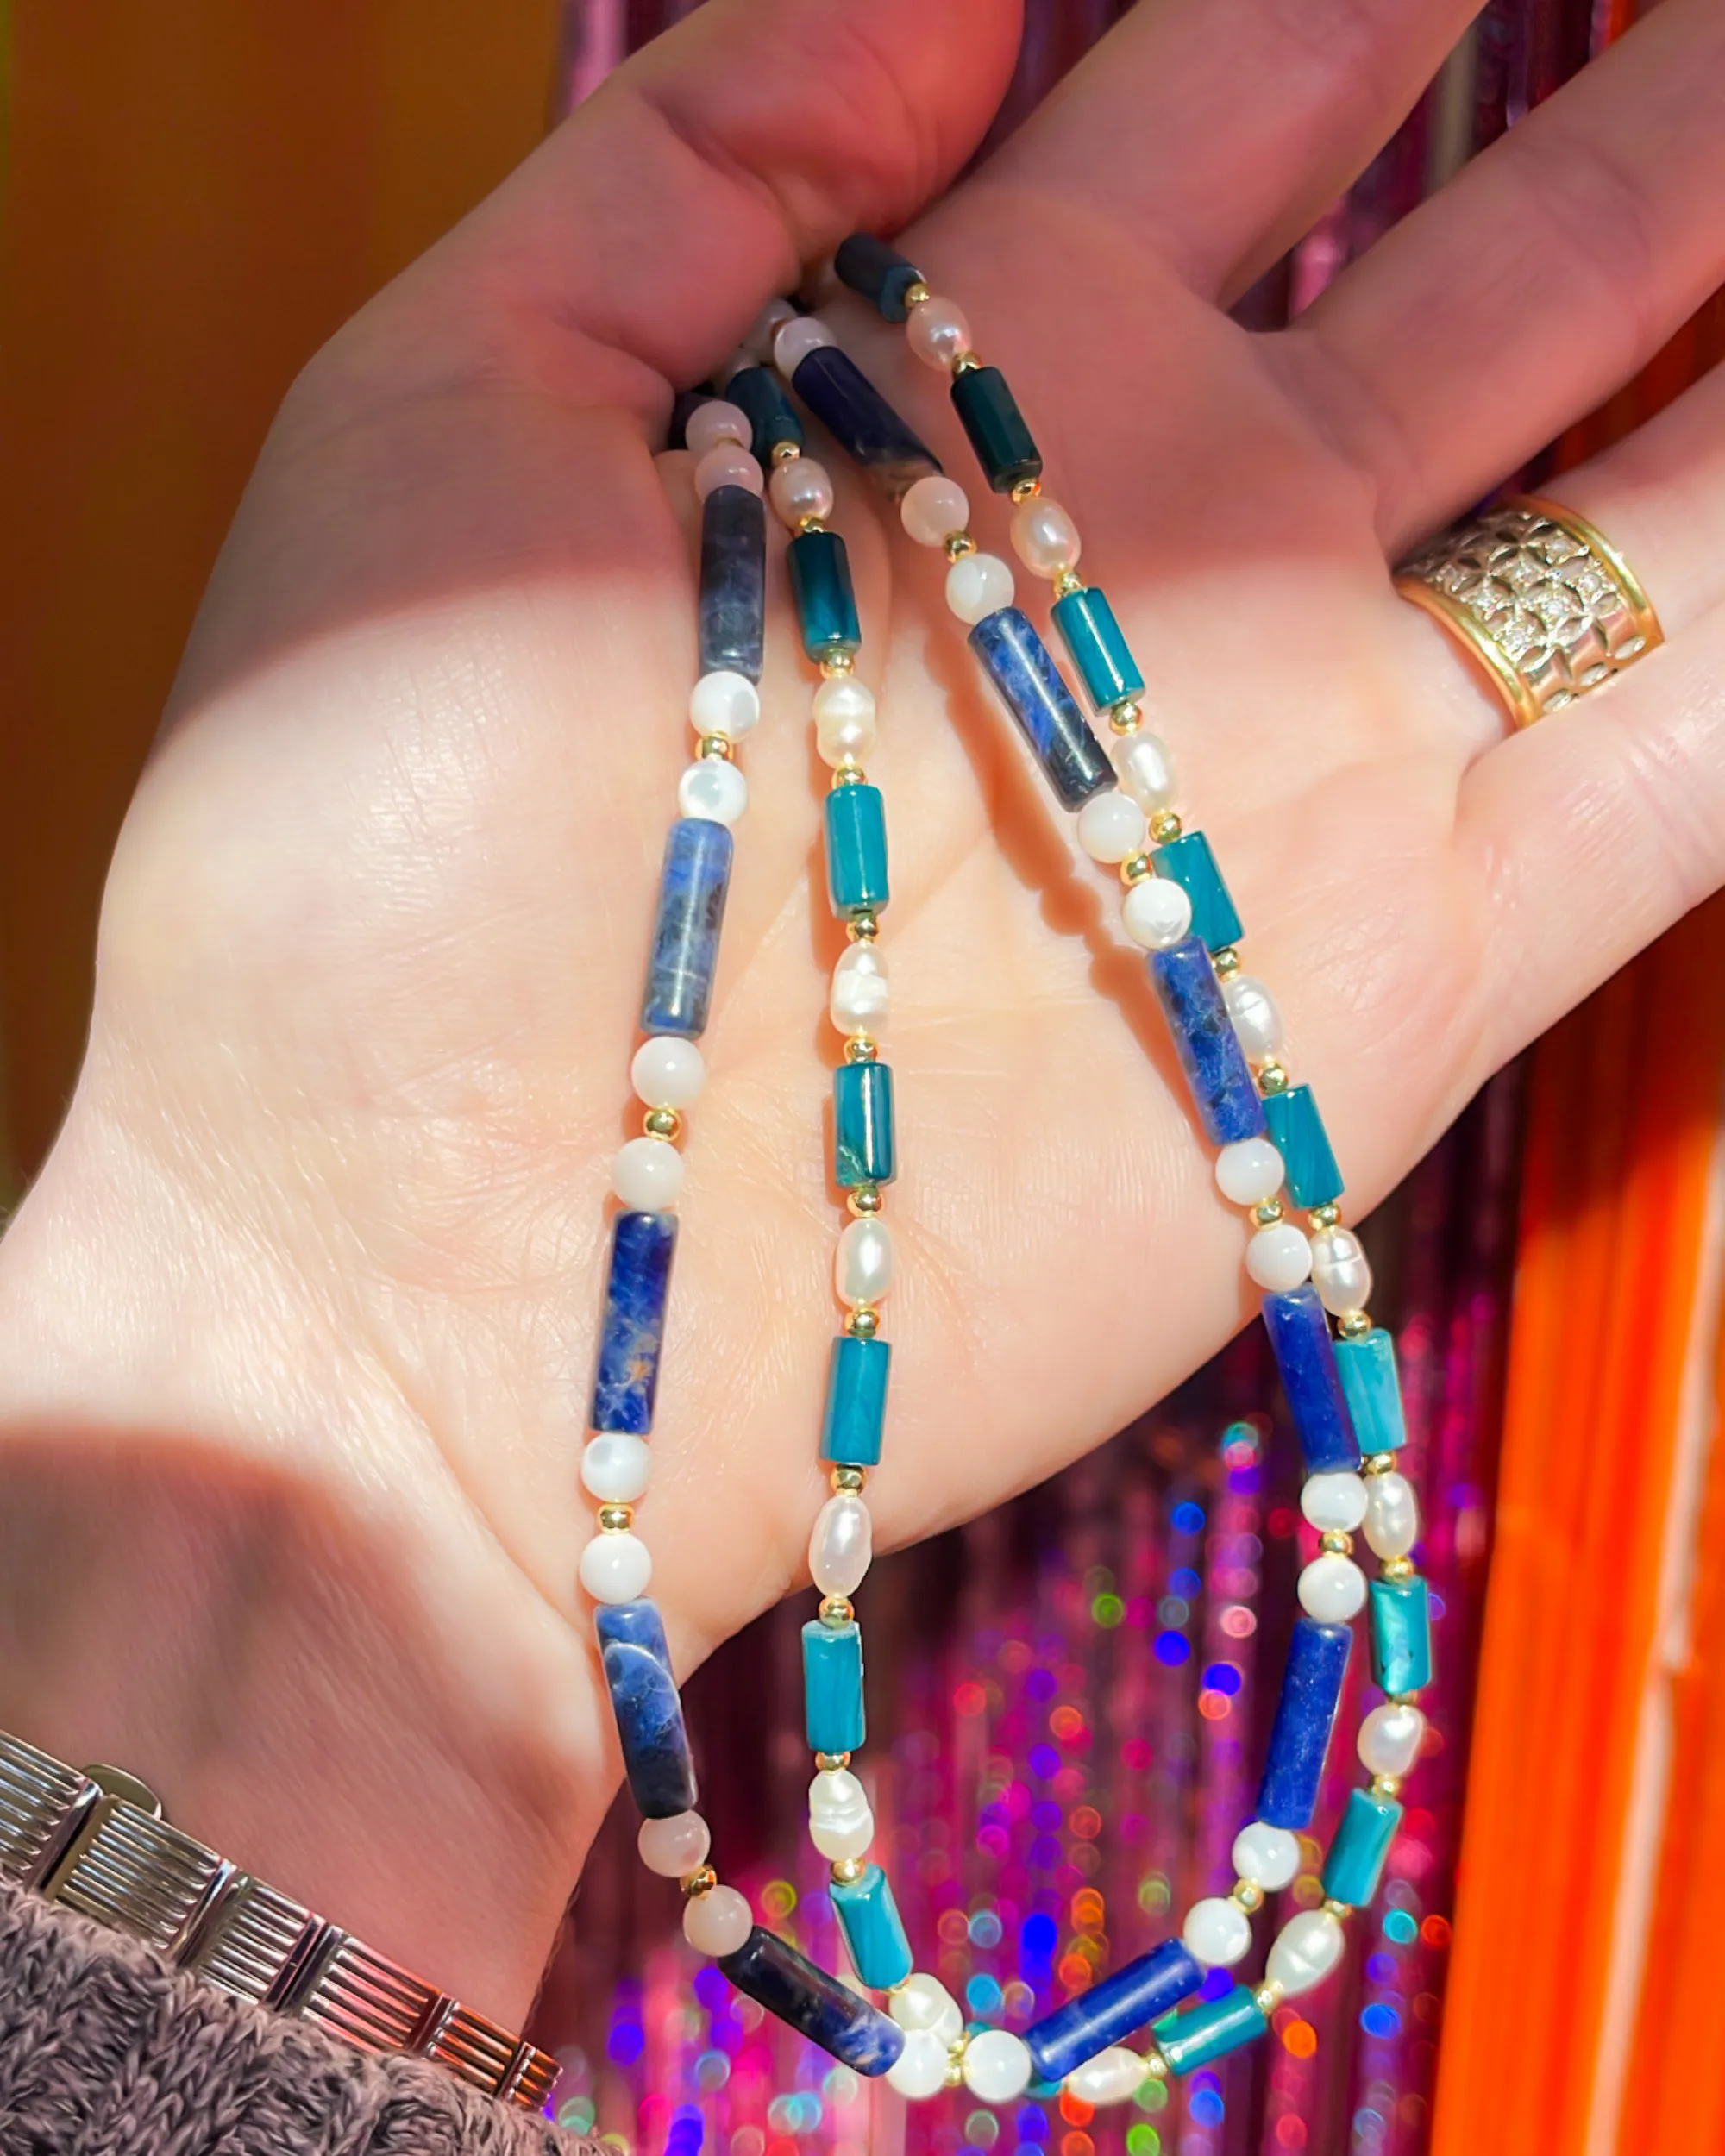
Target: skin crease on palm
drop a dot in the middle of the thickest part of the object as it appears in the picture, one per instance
(295, 1327)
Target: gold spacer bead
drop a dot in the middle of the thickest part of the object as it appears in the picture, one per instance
(1226, 962)
(720, 745)
(1067, 583)
(837, 662)
(847, 1870)
(865, 1201)
(1134, 869)
(1353, 1325)
(966, 363)
(616, 1519)
(1377, 1463)
(917, 294)
(835, 1611)
(1266, 1214)
(1271, 1078)
(1325, 1216)
(1341, 1910)
(860, 1048)
(1026, 489)
(848, 1481)
(1155, 2066)
(830, 1762)
(701, 1882)
(663, 1123)
(848, 773)
(954, 2061)
(1266, 1998)
(1386, 1785)
(1247, 1894)
(863, 1324)
(862, 928)
(786, 452)
(1335, 1543)
(1165, 826)
(1125, 718)
(805, 524)
(959, 545)
(1397, 1568)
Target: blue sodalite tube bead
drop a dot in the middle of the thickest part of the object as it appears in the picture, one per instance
(851, 408)
(873, 1932)
(1209, 2031)
(1092, 636)
(1355, 1864)
(863, 1150)
(1111, 2010)
(820, 589)
(649, 1715)
(1018, 664)
(1373, 1390)
(855, 1401)
(1189, 861)
(1296, 1130)
(1204, 1038)
(632, 1330)
(832, 1687)
(856, 879)
(878, 272)
(771, 1972)
(1401, 1635)
(733, 581)
(1305, 1715)
(693, 886)
(1305, 1355)
(757, 392)
(989, 414)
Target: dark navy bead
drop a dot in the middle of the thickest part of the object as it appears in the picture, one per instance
(632, 1330)
(649, 1715)
(693, 884)
(862, 422)
(757, 392)
(1020, 667)
(863, 1148)
(733, 581)
(1305, 1715)
(682, 405)
(1112, 2008)
(821, 591)
(1208, 1047)
(776, 1976)
(880, 272)
(1306, 1356)
(996, 425)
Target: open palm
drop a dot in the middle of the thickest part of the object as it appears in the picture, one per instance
(300, 1317)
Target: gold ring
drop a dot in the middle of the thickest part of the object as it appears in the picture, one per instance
(1542, 602)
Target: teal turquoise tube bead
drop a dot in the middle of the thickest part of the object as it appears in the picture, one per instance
(832, 1687)
(1356, 1859)
(1401, 1635)
(1093, 640)
(820, 589)
(873, 1932)
(1297, 1131)
(1189, 860)
(989, 414)
(1209, 2030)
(855, 850)
(1372, 1389)
(855, 1401)
(864, 1147)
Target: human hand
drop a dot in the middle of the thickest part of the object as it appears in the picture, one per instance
(298, 1320)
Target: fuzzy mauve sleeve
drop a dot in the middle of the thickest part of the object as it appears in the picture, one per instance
(104, 2051)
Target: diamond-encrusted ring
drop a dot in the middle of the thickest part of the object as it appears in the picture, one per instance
(1537, 598)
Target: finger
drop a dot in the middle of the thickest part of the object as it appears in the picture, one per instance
(1218, 129)
(1535, 284)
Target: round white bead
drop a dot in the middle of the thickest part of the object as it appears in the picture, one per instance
(859, 999)
(923, 2001)
(1268, 1856)
(647, 1175)
(1217, 1932)
(1044, 537)
(1249, 1171)
(841, 1545)
(757, 341)
(1278, 1257)
(615, 1468)
(1307, 1948)
(1339, 1270)
(714, 422)
(1390, 1737)
(724, 703)
(667, 1071)
(616, 1568)
(799, 487)
(937, 333)
(1111, 2077)
(1110, 826)
(794, 339)
(1144, 768)
(1334, 1502)
(1157, 912)
(919, 2070)
(1256, 1020)
(716, 1922)
(862, 1263)
(978, 586)
(1331, 1590)
(844, 714)
(1392, 1515)
(841, 1820)
(933, 509)
(996, 2065)
(673, 1847)
(712, 788)
(727, 465)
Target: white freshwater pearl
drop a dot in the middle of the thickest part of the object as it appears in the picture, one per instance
(615, 1468)
(716, 1922)
(1144, 768)
(844, 714)
(667, 1071)
(647, 1175)
(1392, 1515)
(919, 2070)
(724, 703)
(714, 789)
(1307, 1948)
(1268, 1856)
(841, 1545)
(1110, 2077)
(841, 1819)
(616, 1568)
(996, 2065)
(1331, 1590)
(1256, 1020)
(673, 1847)
(933, 509)
(714, 422)
(1249, 1171)
(1217, 1932)
(1339, 1270)
(757, 341)
(1334, 1502)
(923, 2002)
(727, 465)
(978, 586)
(794, 339)
(937, 333)
(1044, 537)
(859, 999)
(1110, 827)
(1278, 1257)
(1390, 1737)
(862, 1264)
(799, 487)
(1157, 912)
